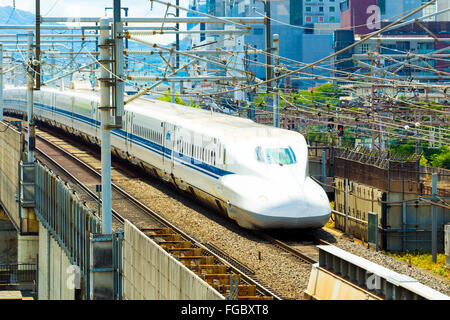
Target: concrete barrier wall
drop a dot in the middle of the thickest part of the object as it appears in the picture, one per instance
(150, 273)
(8, 240)
(361, 200)
(11, 151)
(56, 276)
(409, 225)
(443, 174)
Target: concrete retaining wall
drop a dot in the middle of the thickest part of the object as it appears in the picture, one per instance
(150, 273)
(8, 240)
(361, 200)
(11, 148)
(56, 276)
(27, 249)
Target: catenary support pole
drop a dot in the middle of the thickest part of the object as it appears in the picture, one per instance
(172, 84)
(267, 22)
(119, 89)
(276, 95)
(30, 74)
(1, 82)
(324, 167)
(105, 116)
(434, 218)
(38, 44)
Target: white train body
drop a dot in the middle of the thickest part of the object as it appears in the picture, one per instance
(255, 174)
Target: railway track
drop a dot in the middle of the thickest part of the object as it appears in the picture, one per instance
(212, 264)
(306, 253)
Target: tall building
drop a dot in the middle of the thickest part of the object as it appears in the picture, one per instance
(299, 24)
(365, 16)
(439, 5)
(320, 11)
(392, 10)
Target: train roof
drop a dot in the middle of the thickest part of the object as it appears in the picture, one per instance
(222, 126)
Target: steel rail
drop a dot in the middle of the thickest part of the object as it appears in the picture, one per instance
(260, 288)
(76, 180)
(285, 247)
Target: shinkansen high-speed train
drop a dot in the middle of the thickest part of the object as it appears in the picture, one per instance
(257, 175)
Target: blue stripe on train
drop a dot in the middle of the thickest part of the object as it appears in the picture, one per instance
(147, 144)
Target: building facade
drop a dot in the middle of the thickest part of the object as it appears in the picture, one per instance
(320, 11)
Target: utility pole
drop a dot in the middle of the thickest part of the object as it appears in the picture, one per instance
(105, 116)
(30, 73)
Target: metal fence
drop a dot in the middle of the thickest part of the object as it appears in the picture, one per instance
(11, 274)
(68, 220)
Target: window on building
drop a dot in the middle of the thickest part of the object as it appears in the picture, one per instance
(321, 19)
(202, 35)
(258, 31)
(308, 9)
(296, 12)
(308, 19)
(332, 9)
(344, 5)
(320, 9)
(382, 5)
(364, 48)
(332, 19)
(424, 46)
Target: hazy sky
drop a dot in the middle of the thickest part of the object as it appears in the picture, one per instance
(90, 8)
(96, 8)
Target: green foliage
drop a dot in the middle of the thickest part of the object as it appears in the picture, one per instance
(423, 161)
(191, 104)
(325, 94)
(168, 98)
(442, 160)
(425, 261)
(431, 156)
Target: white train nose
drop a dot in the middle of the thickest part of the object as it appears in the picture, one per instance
(307, 207)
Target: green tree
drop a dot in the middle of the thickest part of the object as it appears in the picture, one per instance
(168, 98)
(442, 160)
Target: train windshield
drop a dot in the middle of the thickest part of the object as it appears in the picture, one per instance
(279, 156)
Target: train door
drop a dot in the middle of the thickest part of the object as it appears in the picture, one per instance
(53, 105)
(128, 130)
(72, 107)
(94, 118)
(168, 144)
